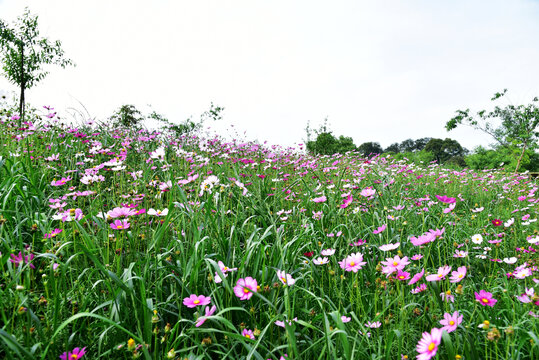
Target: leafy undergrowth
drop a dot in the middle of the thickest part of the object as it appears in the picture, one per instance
(121, 244)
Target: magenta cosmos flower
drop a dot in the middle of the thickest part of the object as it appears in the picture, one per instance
(450, 322)
(379, 230)
(61, 182)
(120, 225)
(76, 354)
(245, 288)
(485, 298)
(196, 300)
(445, 199)
(353, 262)
(417, 277)
(428, 345)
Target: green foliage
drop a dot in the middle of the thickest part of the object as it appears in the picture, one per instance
(483, 158)
(326, 143)
(517, 129)
(370, 148)
(24, 52)
(446, 150)
(127, 116)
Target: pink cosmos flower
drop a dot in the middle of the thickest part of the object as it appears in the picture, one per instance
(417, 257)
(196, 300)
(428, 345)
(394, 264)
(419, 289)
(224, 269)
(402, 275)
(76, 354)
(367, 192)
(423, 239)
(347, 202)
(52, 234)
(121, 212)
(445, 199)
(345, 319)
(320, 199)
(248, 334)
(373, 325)
(353, 262)
(450, 208)
(442, 272)
(120, 225)
(18, 259)
(417, 277)
(527, 296)
(451, 322)
(379, 230)
(457, 276)
(447, 297)
(285, 278)
(61, 182)
(485, 298)
(208, 312)
(245, 288)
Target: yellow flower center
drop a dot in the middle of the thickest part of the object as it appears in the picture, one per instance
(451, 323)
(196, 302)
(440, 275)
(432, 346)
(484, 300)
(460, 276)
(352, 263)
(401, 277)
(119, 227)
(395, 263)
(283, 279)
(247, 336)
(74, 356)
(245, 290)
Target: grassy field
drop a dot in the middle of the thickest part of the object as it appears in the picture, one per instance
(120, 244)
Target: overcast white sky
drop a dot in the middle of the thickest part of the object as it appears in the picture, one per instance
(379, 70)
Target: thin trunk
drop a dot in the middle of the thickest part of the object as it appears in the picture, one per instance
(520, 158)
(21, 103)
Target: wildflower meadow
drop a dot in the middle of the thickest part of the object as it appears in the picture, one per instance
(121, 243)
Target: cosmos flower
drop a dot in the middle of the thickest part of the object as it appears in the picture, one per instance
(497, 222)
(285, 278)
(327, 252)
(196, 300)
(321, 261)
(428, 345)
(245, 288)
(120, 225)
(248, 334)
(442, 272)
(485, 298)
(389, 247)
(451, 322)
(75, 354)
(207, 312)
(417, 277)
(394, 264)
(457, 276)
(379, 230)
(352, 262)
(445, 199)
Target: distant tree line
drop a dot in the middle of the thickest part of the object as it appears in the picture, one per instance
(425, 150)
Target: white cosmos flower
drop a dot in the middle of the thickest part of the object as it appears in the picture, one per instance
(154, 212)
(321, 261)
(509, 222)
(477, 239)
(327, 252)
(510, 260)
